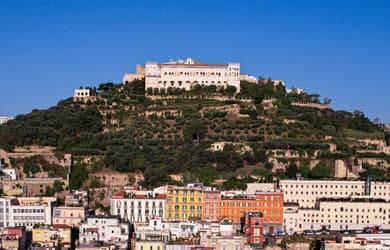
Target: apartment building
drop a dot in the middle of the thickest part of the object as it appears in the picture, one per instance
(71, 216)
(184, 74)
(339, 214)
(270, 204)
(253, 228)
(26, 211)
(52, 237)
(234, 204)
(104, 230)
(138, 206)
(306, 192)
(184, 203)
(222, 236)
(211, 204)
(13, 238)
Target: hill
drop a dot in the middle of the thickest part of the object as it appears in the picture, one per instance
(207, 134)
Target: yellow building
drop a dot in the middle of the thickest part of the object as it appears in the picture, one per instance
(56, 235)
(149, 245)
(184, 203)
(71, 216)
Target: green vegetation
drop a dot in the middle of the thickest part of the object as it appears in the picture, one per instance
(126, 130)
(58, 186)
(36, 164)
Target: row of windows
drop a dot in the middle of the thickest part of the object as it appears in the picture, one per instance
(173, 83)
(184, 192)
(146, 212)
(185, 207)
(321, 186)
(28, 210)
(338, 221)
(357, 210)
(184, 199)
(147, 204)
(150, 248)
(346, 216)
(204, 74)
(29, 217)
(176, 216)
(311, 186)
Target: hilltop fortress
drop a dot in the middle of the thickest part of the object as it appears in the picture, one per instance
(185, 74)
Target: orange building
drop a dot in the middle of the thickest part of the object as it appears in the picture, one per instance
(211, 202)
(233, 205)
(270, 204)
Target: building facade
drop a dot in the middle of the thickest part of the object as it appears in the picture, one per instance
(339, 214)
(13, 238)
(129, 77)
(211, 201)
(58, 236)
(185, 74)
(184, 203)
(253, 229)
(138, 206)
(71, 216)
(26, 211)
(270, 204)
(104, 229)
(306, 192)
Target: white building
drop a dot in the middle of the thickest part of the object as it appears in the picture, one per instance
(26, 211)
(360, 242)
(11, 172)
(187, 73)
(248, 78)
(138, 206)
(306, 192)
(339, 214)
(105, 229)
(5, 119)
(222, 236)
(295, 90)
(82, 95)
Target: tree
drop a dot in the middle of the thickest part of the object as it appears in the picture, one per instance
(320, 171)
(304, 170)
(329, 129)
(77, 177)
(230, 90)
(196, 130)
(292, 170)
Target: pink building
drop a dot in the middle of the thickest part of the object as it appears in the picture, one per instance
(211, 201)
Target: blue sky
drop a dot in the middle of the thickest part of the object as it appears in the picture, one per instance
(340, 49)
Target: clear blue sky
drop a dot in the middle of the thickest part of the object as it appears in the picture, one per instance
(340, 49)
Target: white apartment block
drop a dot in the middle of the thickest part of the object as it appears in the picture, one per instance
(138, 206)
(306, 192)
(187, 73)
(106, 229)
(26, 211)
(339, 214)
